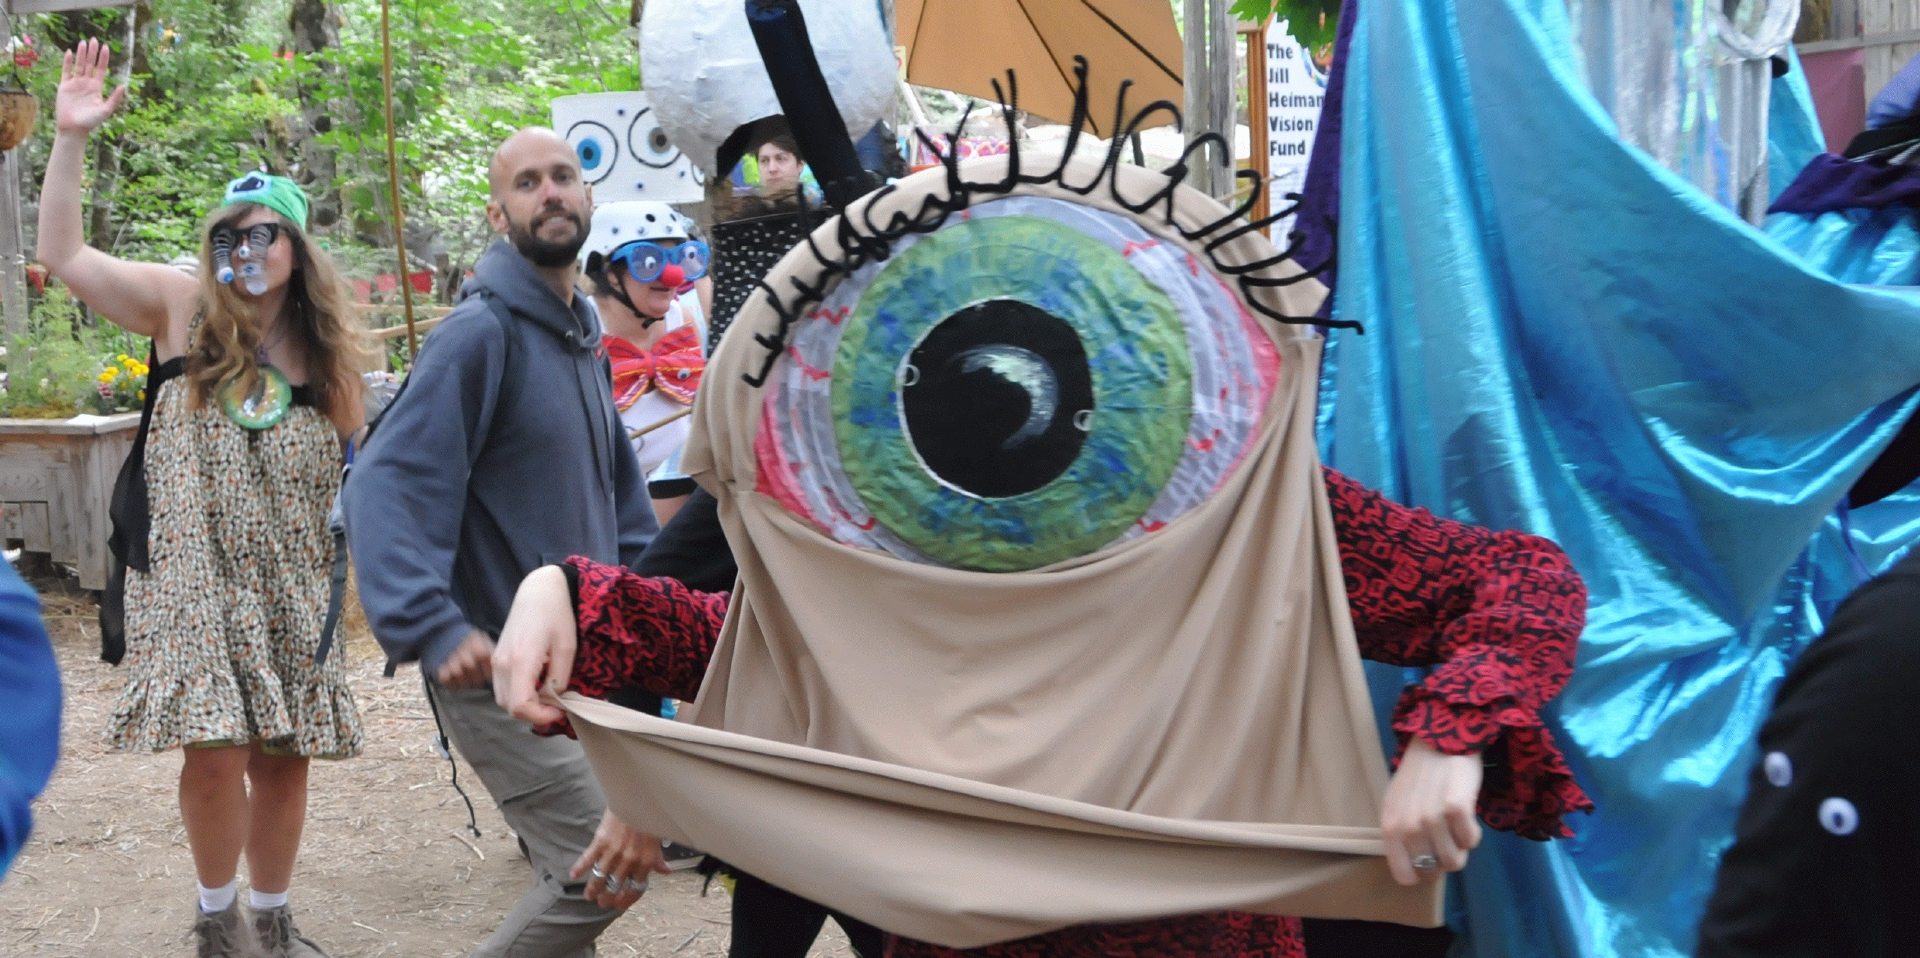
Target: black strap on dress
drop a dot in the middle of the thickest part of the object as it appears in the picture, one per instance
(131, 520)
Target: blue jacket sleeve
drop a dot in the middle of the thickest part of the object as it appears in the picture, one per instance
(407, 493)
(30, 688)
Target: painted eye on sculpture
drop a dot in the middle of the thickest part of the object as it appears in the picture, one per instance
(598, 151)
(1033, 382)
(648, 143)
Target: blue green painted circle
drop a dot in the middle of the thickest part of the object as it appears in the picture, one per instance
(1136, 349)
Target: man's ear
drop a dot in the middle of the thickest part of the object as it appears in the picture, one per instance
(589, 187)
(497, 217)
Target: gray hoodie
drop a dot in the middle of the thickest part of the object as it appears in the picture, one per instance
(457, 496)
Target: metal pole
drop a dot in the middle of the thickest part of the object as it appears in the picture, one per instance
(393, 178)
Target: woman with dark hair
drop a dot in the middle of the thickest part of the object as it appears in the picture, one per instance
(254, 394)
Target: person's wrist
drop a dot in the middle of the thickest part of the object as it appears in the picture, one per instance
(72, 132)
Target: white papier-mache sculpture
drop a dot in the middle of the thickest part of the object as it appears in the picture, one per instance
(624, 153)
(699, 63)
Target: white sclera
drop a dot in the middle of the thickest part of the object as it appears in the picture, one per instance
(1779, 769)
(1837, 815)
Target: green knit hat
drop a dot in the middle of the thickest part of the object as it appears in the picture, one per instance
(276, 193)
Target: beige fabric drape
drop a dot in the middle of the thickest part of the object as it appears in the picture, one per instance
(1173, 725)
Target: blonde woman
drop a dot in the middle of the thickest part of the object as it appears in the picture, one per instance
(253, 395)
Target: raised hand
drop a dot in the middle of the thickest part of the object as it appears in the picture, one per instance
(79, 106)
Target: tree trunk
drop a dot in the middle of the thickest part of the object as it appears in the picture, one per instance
(316, 28)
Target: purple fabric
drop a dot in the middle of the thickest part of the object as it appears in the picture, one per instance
(1833, 182)
(1320, 195)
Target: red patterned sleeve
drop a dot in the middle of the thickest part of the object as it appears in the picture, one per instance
(635, 630)
(1497, 615)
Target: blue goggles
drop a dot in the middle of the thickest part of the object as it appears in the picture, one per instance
(646, 260)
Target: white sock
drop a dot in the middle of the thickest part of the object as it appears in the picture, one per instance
(259, 900)
(220, 899)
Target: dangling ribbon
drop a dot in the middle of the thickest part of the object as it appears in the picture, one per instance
(673, 366)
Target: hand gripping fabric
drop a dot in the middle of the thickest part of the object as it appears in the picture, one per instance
(1170, 720)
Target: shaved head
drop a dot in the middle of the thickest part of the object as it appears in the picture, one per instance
(537, 198)
(527, 144)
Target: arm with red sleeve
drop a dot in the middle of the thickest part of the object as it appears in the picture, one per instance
(640, 630)
(1497, 615)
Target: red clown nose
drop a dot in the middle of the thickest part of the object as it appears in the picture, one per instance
(672, 275)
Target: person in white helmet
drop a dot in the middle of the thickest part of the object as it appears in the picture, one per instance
(642, 269)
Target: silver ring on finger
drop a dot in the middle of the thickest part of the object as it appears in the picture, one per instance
(634, 885)
(597, 873)
(1424, 863)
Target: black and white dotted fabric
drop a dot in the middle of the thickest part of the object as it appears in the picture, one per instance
(1826, 857)
(744, 252)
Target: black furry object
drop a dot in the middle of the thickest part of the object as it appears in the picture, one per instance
(859, 239)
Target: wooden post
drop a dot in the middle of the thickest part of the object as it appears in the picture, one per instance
(1209, 85)
(1257, 158)
(13, 260)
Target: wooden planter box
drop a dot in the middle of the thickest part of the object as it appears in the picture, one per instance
(56, 478)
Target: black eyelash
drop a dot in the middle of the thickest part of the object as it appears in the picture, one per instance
(867, 241)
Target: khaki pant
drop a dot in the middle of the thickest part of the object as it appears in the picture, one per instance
(547, 793)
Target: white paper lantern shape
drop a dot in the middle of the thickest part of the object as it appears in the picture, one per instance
(699, 64)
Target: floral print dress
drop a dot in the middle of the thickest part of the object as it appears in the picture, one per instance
(221, 631)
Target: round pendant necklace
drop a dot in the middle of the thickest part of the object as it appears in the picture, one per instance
(263, 406)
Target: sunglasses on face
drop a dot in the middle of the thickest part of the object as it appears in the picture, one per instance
(245, 242)
(645, 260)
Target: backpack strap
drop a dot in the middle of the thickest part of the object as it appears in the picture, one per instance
(337, 516)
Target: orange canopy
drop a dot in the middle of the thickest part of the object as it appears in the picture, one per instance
(964, 45)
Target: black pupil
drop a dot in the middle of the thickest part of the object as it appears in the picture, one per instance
(658, 140)
(998, 398)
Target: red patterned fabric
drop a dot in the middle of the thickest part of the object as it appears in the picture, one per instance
(673, 366)
(1221, 933)
(1497, 614)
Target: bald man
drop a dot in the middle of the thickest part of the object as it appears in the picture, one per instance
(505, 452)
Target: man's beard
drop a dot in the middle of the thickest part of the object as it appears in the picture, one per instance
(547, 254)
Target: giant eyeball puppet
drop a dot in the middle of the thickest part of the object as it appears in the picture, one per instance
(700, 65)
(624, 153)
(1039, 592)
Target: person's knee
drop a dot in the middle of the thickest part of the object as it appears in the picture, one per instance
(212, 771)
(277, 772)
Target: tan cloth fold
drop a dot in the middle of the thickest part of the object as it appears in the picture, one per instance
(1176, 724)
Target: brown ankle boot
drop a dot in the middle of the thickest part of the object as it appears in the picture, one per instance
(280, 937)
(223, 934)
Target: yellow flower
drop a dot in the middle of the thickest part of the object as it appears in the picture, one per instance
(109, 375)
(143, 395)
(129, 363)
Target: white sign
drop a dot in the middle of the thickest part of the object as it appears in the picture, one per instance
(1295, 90)
(623, 151)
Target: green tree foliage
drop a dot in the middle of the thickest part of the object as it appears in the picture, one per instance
(221, 94)
(1312, 22)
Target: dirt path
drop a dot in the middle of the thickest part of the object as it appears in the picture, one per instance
(387, 867)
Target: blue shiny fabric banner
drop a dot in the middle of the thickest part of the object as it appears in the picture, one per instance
(1856, 246)
(1566, 338)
